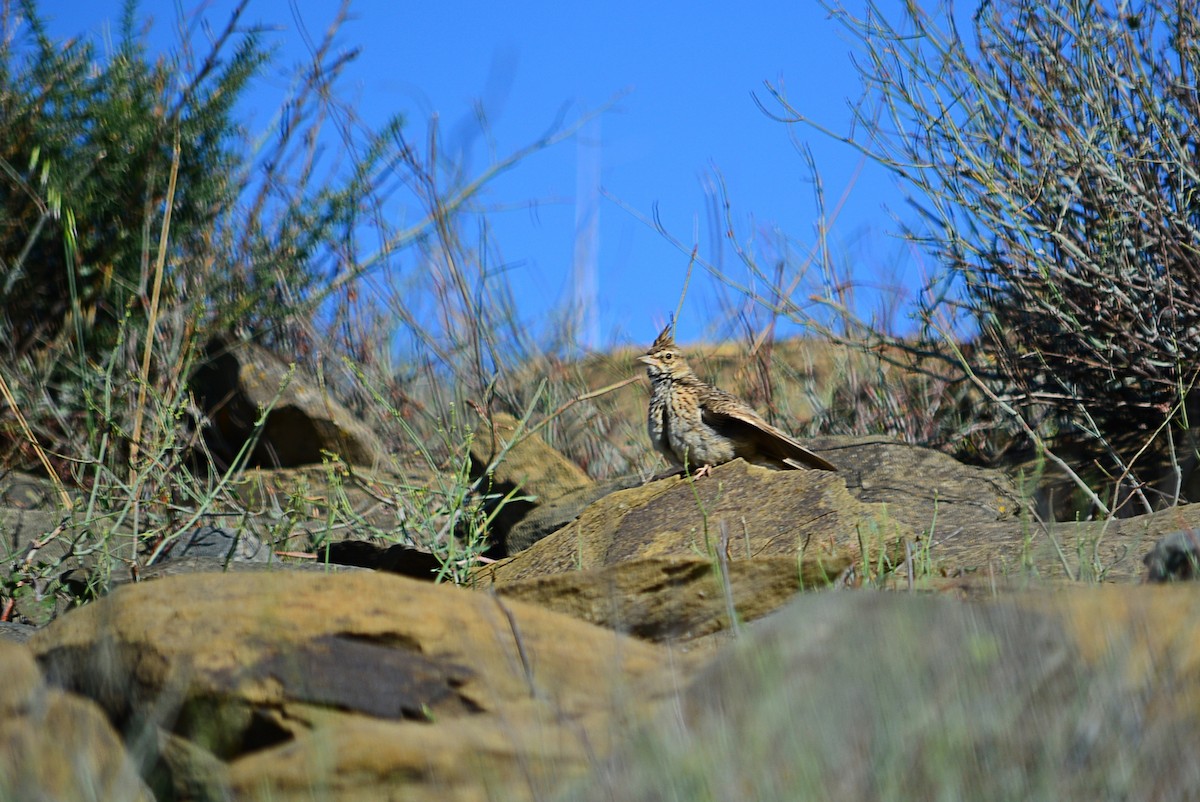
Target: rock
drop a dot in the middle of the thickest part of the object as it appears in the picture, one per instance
(51, 559)
(665, 598)
(973, 523)
(520, 461)
(238, 380)
(16, 633)
(364, 758)
(358, 686)
(218, 542)
(299, 509)
(1108, 551)
(523, 459)
(55, 745)
(893, 696)
(738, 513)
(977, 547)
(25, 531)
(185, 771)
(550, 516)
(922, 487)
(23, 491)
(1175, 557)
(22, 680)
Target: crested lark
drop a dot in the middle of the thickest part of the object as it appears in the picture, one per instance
(694, 424)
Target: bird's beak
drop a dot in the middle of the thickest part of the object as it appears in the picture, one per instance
(646, 358)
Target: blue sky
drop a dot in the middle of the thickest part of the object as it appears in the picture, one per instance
(683, 75)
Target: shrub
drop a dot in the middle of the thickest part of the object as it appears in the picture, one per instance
(139, 217)
(87, 150)
(1050, 152)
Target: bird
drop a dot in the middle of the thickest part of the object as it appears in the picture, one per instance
(695, 425)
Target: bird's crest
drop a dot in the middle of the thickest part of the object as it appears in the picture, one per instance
(664, 340)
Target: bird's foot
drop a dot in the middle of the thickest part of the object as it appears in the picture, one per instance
(705, 470)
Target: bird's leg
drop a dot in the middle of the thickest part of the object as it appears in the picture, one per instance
(705, 470)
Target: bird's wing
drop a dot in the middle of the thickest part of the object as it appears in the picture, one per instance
(722, 410)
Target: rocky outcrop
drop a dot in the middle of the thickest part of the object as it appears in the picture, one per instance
(627, 562)
(922, 488)
(682, 557)
(362, 686)
(290, 684)
(287, 677)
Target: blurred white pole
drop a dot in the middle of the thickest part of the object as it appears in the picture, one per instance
(585, 299)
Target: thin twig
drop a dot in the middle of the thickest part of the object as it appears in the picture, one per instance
(139, 410)
(37, 447)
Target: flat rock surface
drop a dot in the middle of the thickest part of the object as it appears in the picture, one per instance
(922, 487)
(740, 512)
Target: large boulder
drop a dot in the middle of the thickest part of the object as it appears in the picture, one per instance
(682, 557)
(360, 686)
(739, 512)
(627, 563)
(925, 490)
(238, 381)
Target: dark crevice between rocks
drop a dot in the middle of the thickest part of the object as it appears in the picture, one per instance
(396, 559)
(229, 727)
(263, 732)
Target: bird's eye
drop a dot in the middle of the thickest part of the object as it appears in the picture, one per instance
(668, 356)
